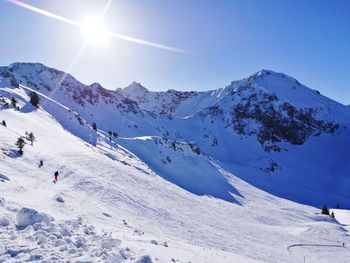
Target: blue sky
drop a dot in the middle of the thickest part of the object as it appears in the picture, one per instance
(309, 40)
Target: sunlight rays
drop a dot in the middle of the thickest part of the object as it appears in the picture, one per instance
(44, 12)
(109, 33)
(95, 31)
(69, 69)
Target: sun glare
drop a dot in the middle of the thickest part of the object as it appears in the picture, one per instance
(96, 30)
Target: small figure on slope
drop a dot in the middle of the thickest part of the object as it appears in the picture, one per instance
(55, 177)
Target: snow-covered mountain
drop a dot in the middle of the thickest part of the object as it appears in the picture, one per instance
(159, 103)
(172, 175)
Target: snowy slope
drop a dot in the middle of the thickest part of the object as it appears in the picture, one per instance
(189, 188)
(268, 129)
(141, 209)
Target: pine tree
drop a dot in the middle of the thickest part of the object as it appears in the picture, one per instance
(115, 134)
(338, 206)
(31, 138)
(94, 126)
(110, 135)
(20, 145)
(325, 210)
(14, 102)
(4, 123)
(34, 99)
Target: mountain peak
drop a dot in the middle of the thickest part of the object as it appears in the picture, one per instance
(96, 85)
(268, 73)
(134, 88)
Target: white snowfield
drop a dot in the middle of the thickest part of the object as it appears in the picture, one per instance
(137, 199)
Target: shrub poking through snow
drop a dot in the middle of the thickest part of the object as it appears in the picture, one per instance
(94, 126)
(3, 123)
(30, 137)
(325, 210)
(14, 102)
(20, 145)
(34, 99)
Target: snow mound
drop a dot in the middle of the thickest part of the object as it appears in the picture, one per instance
(4, 178)
(28, 216)
(46, 240)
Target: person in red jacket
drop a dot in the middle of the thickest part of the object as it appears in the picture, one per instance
(55, 177)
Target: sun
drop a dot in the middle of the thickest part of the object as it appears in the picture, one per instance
(95, 30)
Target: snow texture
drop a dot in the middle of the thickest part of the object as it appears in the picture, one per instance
(186, 176)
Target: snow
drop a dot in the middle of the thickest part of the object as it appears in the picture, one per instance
(27, 216)
(342, 216)
(147, 196)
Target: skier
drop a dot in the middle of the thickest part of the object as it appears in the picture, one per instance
(55, 177)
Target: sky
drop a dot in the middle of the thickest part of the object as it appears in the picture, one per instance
(225, 40)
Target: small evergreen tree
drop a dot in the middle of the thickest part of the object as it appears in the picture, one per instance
(34, 99)
(325, 210)
(14, 102)
(94, 126)
(31, 138)
(4, 123)
(20, 145)
(115, 134)
(338, 206)
(332, 215)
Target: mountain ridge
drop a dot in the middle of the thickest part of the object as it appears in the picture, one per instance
(269, 113)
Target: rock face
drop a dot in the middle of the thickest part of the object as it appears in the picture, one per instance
(277, 121)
